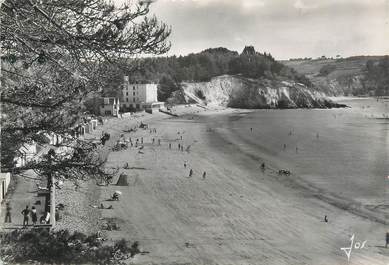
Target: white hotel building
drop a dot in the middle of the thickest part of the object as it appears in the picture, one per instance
(140, 96)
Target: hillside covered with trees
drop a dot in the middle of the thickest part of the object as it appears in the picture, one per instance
(170, 72)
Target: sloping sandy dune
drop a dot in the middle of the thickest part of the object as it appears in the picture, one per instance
(236, 215)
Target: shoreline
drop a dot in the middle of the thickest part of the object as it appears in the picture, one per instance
(205, 220)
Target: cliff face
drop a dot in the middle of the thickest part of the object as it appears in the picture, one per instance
(239, 92)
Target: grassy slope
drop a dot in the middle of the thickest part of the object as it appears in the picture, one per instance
(345, 68)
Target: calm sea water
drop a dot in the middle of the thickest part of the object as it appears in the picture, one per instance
(343, 151)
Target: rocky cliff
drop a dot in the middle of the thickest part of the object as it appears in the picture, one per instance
(239, 92)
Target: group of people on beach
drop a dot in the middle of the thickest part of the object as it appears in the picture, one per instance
(191, 172)
(27, 214)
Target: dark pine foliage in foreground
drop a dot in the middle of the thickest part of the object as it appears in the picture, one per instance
(62, 247)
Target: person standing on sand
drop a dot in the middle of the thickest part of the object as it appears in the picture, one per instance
(170, 146)
(263, 166)
(159, 141)
(153, 140)
(25, 213)
(204, 175)
(251, 129)
(8, 213)
(184, 164)
(284, 146)
(190, 172)
(179, 146)
(297, 149)
(34, 216)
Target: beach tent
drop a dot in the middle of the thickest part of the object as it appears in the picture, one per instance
(122, 181)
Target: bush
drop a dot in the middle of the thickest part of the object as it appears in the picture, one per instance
(62, 247)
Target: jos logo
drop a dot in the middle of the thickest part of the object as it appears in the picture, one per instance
(356, 245)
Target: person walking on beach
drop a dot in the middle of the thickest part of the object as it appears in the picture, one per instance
(179, 146)
(8, 213)
(297, 149)
(182, 148)
(184, 164)
(284, 146)
(25, 213)
(204, 175)
(34, 217)
(190, 172)
(170, 146)
(159, 141)
(263, 166)
(141, 140)
(251, 129)
(325, 219)
(153, 140)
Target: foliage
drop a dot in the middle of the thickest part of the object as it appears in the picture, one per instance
(54, 54)
(62, 247)
(327, 69)
(169, 72)
(377, 77)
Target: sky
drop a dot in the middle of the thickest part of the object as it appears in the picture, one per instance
(285, 28)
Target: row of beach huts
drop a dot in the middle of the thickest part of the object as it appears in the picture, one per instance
(29, 152)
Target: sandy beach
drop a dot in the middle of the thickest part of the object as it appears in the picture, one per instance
(237, 214)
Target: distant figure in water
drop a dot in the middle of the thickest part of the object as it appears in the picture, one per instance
(263, 166)
(190, 172)
(325, 218)
(387, 239)
(204, 174)
(284, 146)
